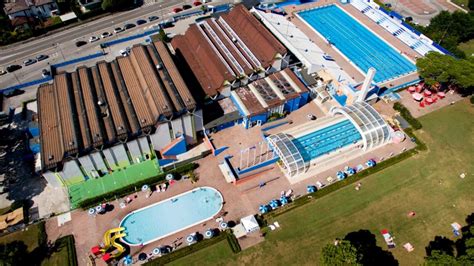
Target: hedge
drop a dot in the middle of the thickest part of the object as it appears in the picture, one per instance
(68, 242)
(405, 113)
(348, 181)
(87, 203)
(185, 251)
(233, 243)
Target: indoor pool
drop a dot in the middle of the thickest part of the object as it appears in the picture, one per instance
(172, 215)
(325, 140)
(361, 46)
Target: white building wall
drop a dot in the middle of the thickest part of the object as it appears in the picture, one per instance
(97, 160)
(52, 179)
(161, 137)
(188, 129)
(178, 128)
(111, 158)
(134, 150)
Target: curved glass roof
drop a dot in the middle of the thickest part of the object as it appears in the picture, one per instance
(290, 156)
(373, 128)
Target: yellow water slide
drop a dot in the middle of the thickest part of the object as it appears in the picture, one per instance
(109, 239)
(120, 248)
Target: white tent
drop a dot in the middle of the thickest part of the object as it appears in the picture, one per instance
(250, 223)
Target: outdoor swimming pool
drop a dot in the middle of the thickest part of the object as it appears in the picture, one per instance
(172, 215)
(327, 139)
(361, 46)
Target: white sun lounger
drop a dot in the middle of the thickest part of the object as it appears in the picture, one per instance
(272, 227)
(277, 224)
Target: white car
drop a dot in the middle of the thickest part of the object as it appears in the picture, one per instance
(2, 72)
(106, 34)
(93, 39)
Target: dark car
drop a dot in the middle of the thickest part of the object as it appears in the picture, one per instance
(80, 43)
(29, 62)
(12, 68)
(45, 73)
(177, 9)
(42, 57)
(12, 93)
(129, 26)
(187, 7)
(197, 3)
(152, 18)
(141, 22)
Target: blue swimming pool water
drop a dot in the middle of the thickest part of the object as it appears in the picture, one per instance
(325, 140)
(171, 215)
(357, 43)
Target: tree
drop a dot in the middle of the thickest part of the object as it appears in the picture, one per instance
(450, 29)
(114, 5)
(341, 253)
(470, 5)
(443, 251)
(163, 36)
(437, 68)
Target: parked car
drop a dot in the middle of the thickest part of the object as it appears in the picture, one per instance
(12, 93)
(141, 22)
(80, 43)
(152, 18)
(177, 9)
(106, 34)
(45, 73)
(2, 72)
(187, 7)
(93, 39)
(197, 3)
(42, 57)
(129, 26)
(29, 62)
(123, 52)
(12, 68)
(118, 29)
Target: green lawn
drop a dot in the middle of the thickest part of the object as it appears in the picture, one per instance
(427, 183)
(29, 236)
(467, 47)
(461, 3)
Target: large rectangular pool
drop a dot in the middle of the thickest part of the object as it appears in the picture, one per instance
(361, 46)
(325, 140)
(172, 215)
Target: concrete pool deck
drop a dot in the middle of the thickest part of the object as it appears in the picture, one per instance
(240, 200)
(365, 21)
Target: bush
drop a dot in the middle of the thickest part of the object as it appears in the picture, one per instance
(87, 203)
(185, 251)
(233, 243)
(405, 113)
(68, 242)
(472, 99)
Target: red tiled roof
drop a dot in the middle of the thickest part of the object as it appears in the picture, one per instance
(214, 58)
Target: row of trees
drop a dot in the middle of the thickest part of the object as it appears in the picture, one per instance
(359, 248)
(445, 70)
(450, 29)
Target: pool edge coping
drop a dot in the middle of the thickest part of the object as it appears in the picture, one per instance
(176, 231)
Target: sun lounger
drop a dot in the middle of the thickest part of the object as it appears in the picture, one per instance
(408, 247)
(277, 224)
(330, 179)
(272, 227)
(319, 184)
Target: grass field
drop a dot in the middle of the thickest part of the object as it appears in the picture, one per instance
(427, 183)
(467, 47)
(29, 236)
(461, 3)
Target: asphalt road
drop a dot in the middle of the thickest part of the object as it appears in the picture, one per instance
(11, 54)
